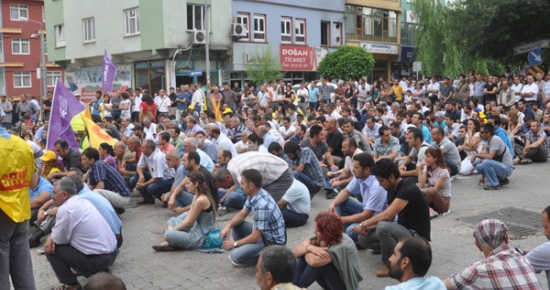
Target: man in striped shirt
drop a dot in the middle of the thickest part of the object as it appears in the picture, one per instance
(277, 177)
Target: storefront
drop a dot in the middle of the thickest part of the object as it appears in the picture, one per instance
(299, 63)
(403, 68)
(384, 54)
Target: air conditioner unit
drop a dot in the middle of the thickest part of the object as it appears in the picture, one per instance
(199, 37)
(239, 30)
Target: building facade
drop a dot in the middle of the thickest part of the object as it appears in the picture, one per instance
(409, 22)
(142, 38)
(20, 49)
(297, 33)
(375, 26)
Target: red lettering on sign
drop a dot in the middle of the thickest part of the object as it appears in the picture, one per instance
(14, 180)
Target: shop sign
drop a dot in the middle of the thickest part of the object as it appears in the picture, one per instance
(406, 54)
(411, 16)
(298, 58)
(380, 48)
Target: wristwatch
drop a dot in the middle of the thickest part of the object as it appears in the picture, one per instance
(235, 244)
(362, 226)
(45, 213)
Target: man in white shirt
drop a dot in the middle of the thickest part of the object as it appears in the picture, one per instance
(150, 128)
(136, 101)
(163, 103)
(81, 238)
(530, 91)
(127, 128)
(222, 141)
(287, 130)
(546, 90)
(433, 89)
(517, 87)
(303, 98)
(197, 100)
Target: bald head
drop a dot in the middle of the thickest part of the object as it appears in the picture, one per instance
(120, 145)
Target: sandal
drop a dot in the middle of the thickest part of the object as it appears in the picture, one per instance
(160, 248)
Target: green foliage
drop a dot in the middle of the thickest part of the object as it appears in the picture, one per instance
(347, 62)
(265, 68)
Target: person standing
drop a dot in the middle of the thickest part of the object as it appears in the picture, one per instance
(6, 106)
(163, 103)
(15, 212)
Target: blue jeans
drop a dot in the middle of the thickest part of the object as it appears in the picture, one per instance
(451, 166)
(327, 276)
(494, 171)
(314, 105)
(184, 199)
(156, 189)
(246, 254)
(293, 219)
(234, 200)
(308, 182)
(131, 167)
(347, 208)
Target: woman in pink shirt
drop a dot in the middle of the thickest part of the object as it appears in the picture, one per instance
(434, 173)
(106, 153)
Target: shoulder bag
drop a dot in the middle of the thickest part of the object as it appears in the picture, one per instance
(212, 239)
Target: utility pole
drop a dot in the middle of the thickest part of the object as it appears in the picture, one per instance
(207, 32)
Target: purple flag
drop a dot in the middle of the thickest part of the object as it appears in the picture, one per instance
(64, 107)
(109, 73)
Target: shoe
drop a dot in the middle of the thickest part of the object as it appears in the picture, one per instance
(33, 243)
(526, 161)
(135, 193)
(488, 187)
(147, 201)
(504, 182)
(160, 248)
(447, 212)
(359, 247)
(376, 252)
(238, 265)
(164, 205)
(223, 211)
(331, 194)
(384, 272)
(516, 161)
(433, 215)
(120, 210)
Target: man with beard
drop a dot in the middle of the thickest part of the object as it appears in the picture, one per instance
(540, 256)
(409, 263)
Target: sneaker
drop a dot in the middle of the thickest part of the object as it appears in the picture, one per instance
(488, 187)
(447, 212)
(505, 181)
(331, 194)
(516, 161)
(237, 265)
(526, 161)
(223, 211)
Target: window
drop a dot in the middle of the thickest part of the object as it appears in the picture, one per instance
(20, 46)
(195, 17)
(364, 23)
(59, 35)
(43, 13)
(2, 84)
(408, 33)
(1, 49)
(286, 30)
(259, 28)
(132, 21)
(243, 18)
(53, 76)
(18, 11)
(325, 33)
(89, 29)
(22, 80)
(300, 31)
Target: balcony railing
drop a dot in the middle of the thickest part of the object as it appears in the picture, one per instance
(363, 37)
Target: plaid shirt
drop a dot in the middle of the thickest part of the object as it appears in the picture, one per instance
(267, 217)
(503, 269)
(385, 150)
(112, 180)
(238, 132)
(312, 167)
(534, 138)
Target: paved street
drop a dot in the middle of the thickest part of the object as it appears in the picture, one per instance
(452, 242)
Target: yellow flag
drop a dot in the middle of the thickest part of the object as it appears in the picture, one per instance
(87, 113)
(97, 135)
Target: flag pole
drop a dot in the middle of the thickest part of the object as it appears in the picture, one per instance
(50, 118)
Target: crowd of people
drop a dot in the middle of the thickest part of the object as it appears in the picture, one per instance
(385, 154)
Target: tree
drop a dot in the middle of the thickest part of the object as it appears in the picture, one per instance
(347, 62)
(264, 68)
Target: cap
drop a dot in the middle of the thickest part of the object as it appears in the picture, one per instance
(49, 156)
(138, 127)
(440, 114)
(227, 111)
(477, 110)
(490, 233)
(191, 107)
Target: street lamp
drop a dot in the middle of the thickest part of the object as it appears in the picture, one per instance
(43, 69)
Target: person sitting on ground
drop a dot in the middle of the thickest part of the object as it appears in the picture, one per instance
(329, 257)
(105, 180)
(406, 201)
(306, 167)
(450, 152)
(268, 227)
(409, 169)
(434, 174)
(472, 145)
(50, 165)
(106, 153)
(158, 180)
(122, 155)
(344, 176)
(372, 197)
(174, 161)
(502, 268)
(536, 145)
(39, 195)
(496, 165)
(409, 264)
(188, 230)
(81, 238)
(387, 146)
(295, 205)
(191, 144)
(539, 256)
(276, 268)
(71, 160)
(103, 281)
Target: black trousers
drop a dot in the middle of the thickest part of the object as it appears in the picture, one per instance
(536, 154)
(67, 257)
